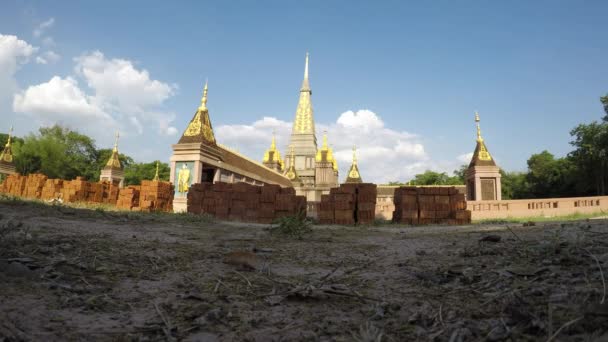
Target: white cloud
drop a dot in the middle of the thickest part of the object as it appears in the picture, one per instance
(43, 27)
(14, 52)
(48, 57)
(118, 82)
(48, 41)
(57, 100)
(384, 154)
(465, 158)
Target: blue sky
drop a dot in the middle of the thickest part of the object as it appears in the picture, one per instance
(533, 70)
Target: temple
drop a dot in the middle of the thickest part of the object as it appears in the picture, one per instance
(113, 171)
(272, 156)
(353, 174)
(483, 175)
(198, 158)
(7, 166)
(316, 169)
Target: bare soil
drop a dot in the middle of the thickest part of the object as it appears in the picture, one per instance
(75, 274)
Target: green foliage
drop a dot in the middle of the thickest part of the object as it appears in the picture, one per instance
(590, 156)
(604, 100)
(436, 178)
(136, 172)
(550, 177)
(292, 226)
(103, 155)
(514, 185)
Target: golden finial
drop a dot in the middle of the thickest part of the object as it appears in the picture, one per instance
(273, 144)
(354, 155)
(479, 138)
(117, 135)
(204, 99)
(10, 135)
(156, 177)
(306, 67)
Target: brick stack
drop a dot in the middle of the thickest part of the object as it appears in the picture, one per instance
(14, 185)
(244, 202)
(51, 189)
(110, 192)
(128, 198)
(156, 196)
(430, 205)
(33, 185)
(349, 204)
(76, 190)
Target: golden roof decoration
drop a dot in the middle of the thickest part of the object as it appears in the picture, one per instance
(353, 174)
(291, 173)
(304, 121)
(156, 177)
(114, 161)
(7, 153)
(199, 129)
(272, 155)
(481, 156)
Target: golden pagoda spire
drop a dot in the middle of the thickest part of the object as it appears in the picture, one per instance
(481, 154)
(114, 161)
(330, 155)
(479, 138)
(7, 153)
(272, 155)
(304, 122)
(200, 130)
(203, 106)
(353, 174)
(156, 177)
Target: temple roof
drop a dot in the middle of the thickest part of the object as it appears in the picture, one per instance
(272, 155)
(325, 154)
(353, 173)
(199, 130)
(6, 157)
(114, 161)
(304, 122)
(481, 156)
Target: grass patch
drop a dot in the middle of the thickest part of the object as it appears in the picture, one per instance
(292, 226)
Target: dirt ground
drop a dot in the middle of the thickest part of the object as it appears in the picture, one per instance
(73, 274)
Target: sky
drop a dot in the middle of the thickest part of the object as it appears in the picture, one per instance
(401, 80)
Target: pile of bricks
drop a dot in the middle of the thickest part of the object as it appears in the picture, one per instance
(245, 202)
(14, 185)
(128, 198)
(51, 189)
(156, 196)
(110, 192)
(430, 205)
(349, 204)
(33, 185)
(76, 190)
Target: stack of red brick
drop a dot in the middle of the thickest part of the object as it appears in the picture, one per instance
(110, 192)
(51, 189)
(349, 204)
(430, 205)
(245, 202)
(14, 185)
(33, 185)
(156, 196)
(128, 198)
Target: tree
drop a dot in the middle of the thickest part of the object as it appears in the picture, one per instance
(103, 155)
(57, 152)
(604, 100)
(435, 178)
(591, 143)
(137, 172)
(514, 185)
(549, 177)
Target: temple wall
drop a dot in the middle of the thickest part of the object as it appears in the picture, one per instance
(546, 207)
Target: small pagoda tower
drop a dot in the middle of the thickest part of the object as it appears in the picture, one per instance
(272, 157)
(113, 171)
(156, 177)
(291, 172)
(483, 175)
(326, 166)
(353, 174)
(7, 167)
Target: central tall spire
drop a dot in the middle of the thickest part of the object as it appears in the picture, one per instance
(304, 122)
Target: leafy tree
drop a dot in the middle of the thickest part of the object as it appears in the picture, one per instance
(136, 172)
(435, 178)
(549, 177)
(591, 143)
(604, 100)
(514, 185)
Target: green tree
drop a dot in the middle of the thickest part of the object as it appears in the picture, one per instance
(514, 185)
(591, 143)
(604, 100)
(549, 177)
(435, 178)
(136, 172)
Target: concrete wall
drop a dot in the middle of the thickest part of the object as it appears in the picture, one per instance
(547, 207)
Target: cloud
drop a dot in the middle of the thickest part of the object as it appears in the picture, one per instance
(43, 27)
(48, 57)
(465, 158)
(118, 82)
(57, 100)
(384, 154)
(117, 95)
(48, 41)
(14, 53)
